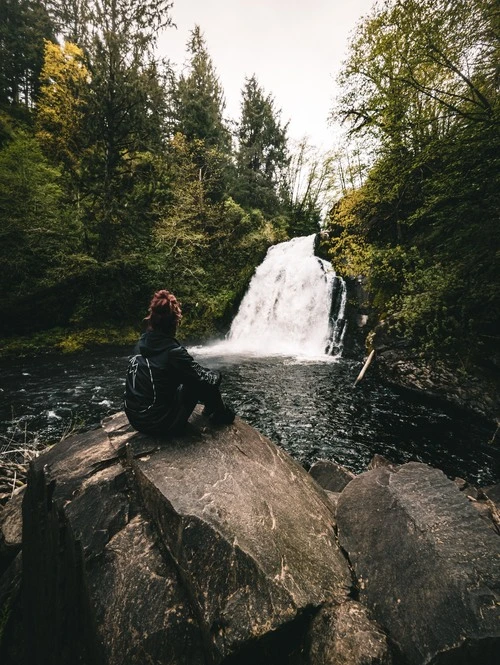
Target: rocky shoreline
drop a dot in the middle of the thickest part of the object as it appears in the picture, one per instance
(439, 381)
(473, 389)
(217, 548)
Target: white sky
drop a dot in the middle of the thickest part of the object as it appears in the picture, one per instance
(294, 47)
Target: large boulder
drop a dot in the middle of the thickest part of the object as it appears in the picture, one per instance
(427, 565)
(181, 551)
(11, 647)
(231, 496)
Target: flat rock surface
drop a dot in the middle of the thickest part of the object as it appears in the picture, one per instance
(427, 565)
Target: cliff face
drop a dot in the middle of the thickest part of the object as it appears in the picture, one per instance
(216, 547)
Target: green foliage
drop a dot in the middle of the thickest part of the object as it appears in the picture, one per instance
(262, 151)
(66, 340)
(88, 338)
(36, 230)
(424, 224)
(428, 310)
(417, 65)
(205, 245)
(61, 108)
(115, 176)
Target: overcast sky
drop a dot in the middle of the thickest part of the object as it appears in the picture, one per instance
(294, 47)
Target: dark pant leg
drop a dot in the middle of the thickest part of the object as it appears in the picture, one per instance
(185, 399)
(215, 407)
(188, 397)
(212, 399)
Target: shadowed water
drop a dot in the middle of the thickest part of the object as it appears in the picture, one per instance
(308, 407)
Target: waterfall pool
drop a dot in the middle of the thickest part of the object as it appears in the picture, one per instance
(308, 406)
(295, 304)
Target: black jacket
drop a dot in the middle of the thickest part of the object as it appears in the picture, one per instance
(156, 370)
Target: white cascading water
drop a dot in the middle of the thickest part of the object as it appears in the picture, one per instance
(294, 305)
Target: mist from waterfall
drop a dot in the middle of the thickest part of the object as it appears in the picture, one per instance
(294, 305)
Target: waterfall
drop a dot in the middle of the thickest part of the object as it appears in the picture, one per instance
(294, 305)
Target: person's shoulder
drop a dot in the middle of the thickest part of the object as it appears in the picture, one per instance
(177, 346)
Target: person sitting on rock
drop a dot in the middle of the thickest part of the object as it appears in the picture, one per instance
(164, 383)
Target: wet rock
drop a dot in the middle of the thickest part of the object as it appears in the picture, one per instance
(11, 634)
(334, 498)
(347, 635)
(11, 618)
(427, 565)
(487, 512)
(330, 475)
(460, 483)
(493, 494)
(486, 501)
(378, 461)
(358, 315)
(470, 491)
(11, 529)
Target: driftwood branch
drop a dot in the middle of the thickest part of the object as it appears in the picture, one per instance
(365, 367)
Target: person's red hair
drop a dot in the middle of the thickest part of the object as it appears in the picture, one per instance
(164, 312)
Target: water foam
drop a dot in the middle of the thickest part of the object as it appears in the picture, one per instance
(294, 306)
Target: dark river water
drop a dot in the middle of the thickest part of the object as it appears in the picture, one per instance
(309, 408)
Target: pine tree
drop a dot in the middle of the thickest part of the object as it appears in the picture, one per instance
(24, 26)
(124, 117)
(198, 98)
(262, 150)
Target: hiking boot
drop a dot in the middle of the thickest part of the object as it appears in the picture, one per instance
(223, 416)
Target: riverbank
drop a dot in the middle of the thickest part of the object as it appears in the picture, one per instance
(470, 389)
(469, 386)
(441, 379)
(70, 340)
(66, 340)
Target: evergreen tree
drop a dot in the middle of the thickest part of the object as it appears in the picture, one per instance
(262, 150)
(72, 19)
(24, 26)
(197, 108)
(198, 99)
(124, 119)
